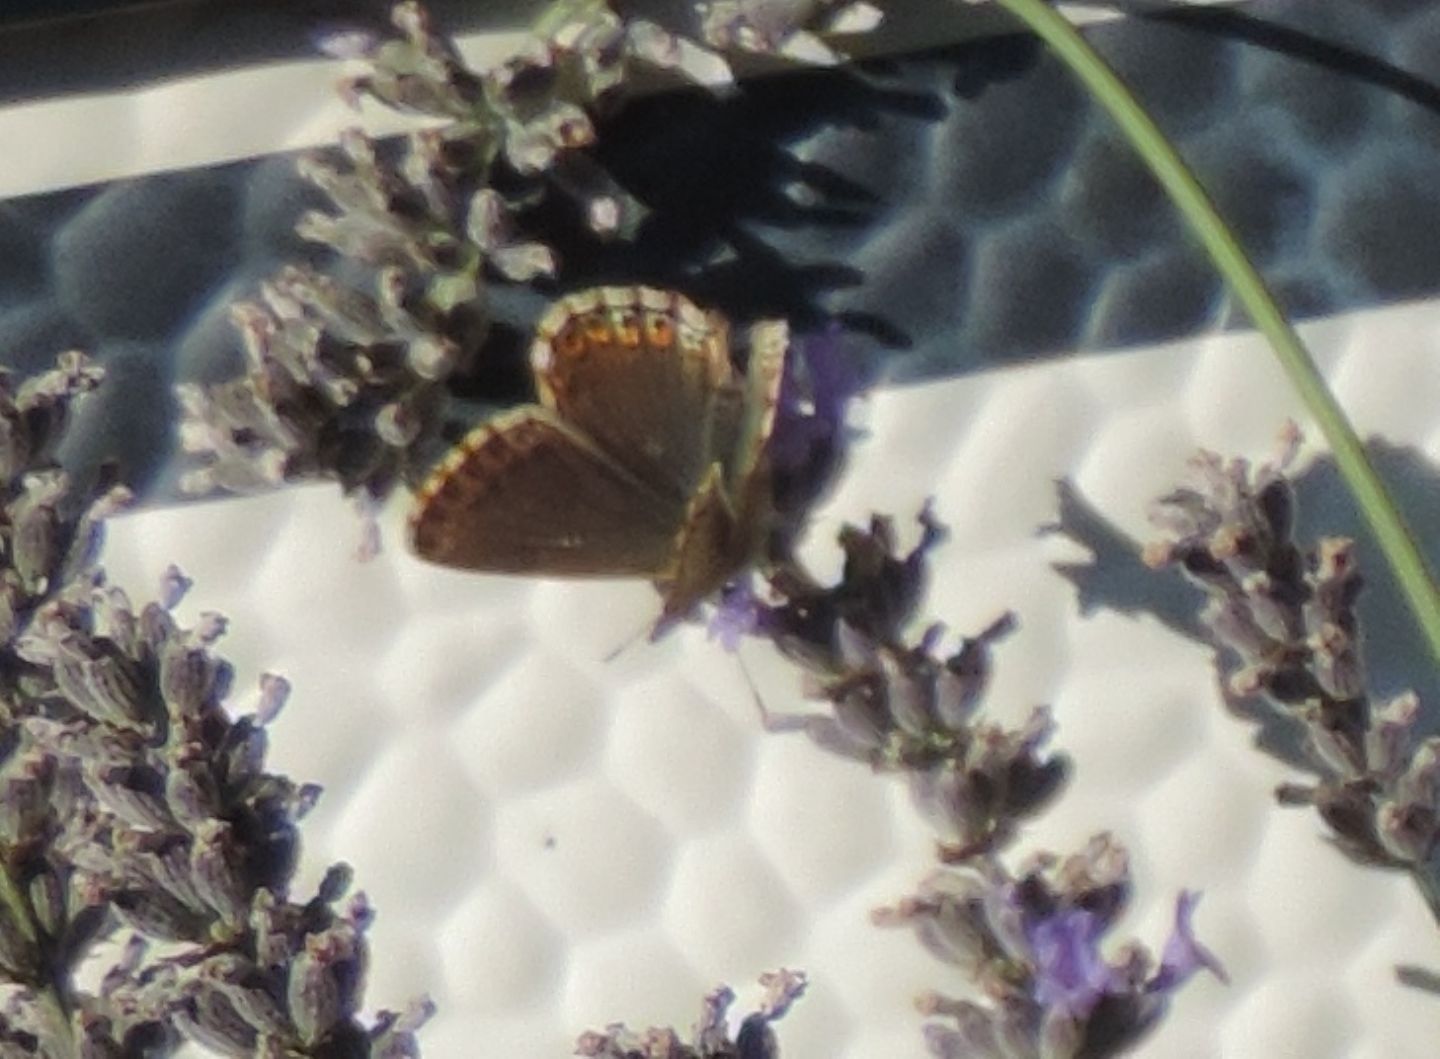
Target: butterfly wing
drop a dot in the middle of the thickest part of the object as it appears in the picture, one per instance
(727, 519)
(749, 477)
(645, 374)
(527, 493)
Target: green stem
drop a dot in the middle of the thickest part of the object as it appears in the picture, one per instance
(1417, 582)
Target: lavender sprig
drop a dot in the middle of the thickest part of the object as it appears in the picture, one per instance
(1032, 945)
(1286, 616)
(136, 805)
(351, 378)
(711, 1039)
(1030, 941)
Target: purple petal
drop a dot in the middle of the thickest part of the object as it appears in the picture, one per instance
(738, 614)
(1184, 955)
(833, 380)
(819, 382)
(1070, 974)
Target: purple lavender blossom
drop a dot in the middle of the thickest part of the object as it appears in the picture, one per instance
(738, 613)
(1070, 974)
(1184, 956)
(819, 384)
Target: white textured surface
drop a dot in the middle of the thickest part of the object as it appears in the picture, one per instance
(554, 841)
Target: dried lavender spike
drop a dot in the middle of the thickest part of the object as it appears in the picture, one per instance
(1290, 617)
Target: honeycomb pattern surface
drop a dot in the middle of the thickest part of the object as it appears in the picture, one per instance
(556, 839)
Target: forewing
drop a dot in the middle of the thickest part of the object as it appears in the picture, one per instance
(641, 372)
(527, 493)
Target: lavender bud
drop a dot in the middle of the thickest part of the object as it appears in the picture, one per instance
(974, 1036)
(47, 900)
(113, 608)
(209, 1019)
(186, 675)
(908, 692)
(1276, 618)
(306, 798)
(25, 803)
(158, 915)
(397, 425)
(1391, 731)
(274, 693)
(164, 861)
(12, 603)
(35, 547)
(241, 758)
(157, 628)
(1336, 580)
(93, 1034)
(337, 880)
(19, 957)
(954, 804)
(961, 683)
(859, 713)
(105, 688)
(212, 626)
(243, 986)
(1062, 1035)
(432, 357)
(1421, 780)
(397, 1040)
(524, 261)
(213, 859)
(1335, 747)
(323, 980)
(858, 652)
(135, 794)
(1335, 662)
(14, 441)
(190, 792)
(274, 947)
(115, 686)
(1407, 831)
(173, 587)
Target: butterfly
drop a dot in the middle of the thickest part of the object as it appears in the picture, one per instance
(644, 457)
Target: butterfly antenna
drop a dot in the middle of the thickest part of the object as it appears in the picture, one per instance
(768, 721)
(628, 642)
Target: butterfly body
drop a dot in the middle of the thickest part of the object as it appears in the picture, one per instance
(644, 456)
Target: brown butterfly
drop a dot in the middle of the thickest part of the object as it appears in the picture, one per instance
(645, 457)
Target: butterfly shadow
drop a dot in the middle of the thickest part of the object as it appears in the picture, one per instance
(742, 213)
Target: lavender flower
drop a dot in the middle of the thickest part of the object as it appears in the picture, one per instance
(875, 597)
(711, 1038)
(809, 439)
(785, 27)
(1287, 617)
(1033, 945)
(352, 379)
(134, 802)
